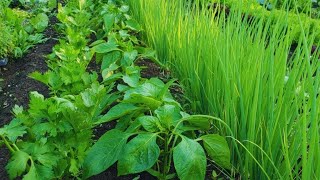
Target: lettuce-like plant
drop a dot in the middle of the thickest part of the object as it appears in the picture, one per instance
(153, 135)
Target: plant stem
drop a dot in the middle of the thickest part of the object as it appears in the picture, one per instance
(166, 154)
(7, 144)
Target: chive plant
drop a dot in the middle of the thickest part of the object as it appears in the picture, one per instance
(238, 68)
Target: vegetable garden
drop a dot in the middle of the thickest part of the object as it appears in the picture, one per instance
(156, 89)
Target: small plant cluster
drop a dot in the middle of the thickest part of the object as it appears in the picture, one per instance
(291, 19)
(53, 138)
(20, 29)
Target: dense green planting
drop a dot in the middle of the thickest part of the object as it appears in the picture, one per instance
(162, 135)
(291, 19)
(6, 40)
(240, 72)
(25, 29)
(52, 139)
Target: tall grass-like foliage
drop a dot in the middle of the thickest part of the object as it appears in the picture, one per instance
(239, 70)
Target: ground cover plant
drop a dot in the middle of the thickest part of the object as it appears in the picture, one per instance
(240, 71)
(52, 138)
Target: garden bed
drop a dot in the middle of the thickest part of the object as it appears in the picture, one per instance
(17, 86)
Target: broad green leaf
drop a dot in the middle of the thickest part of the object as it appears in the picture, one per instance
(105, 47)
(133, 24)
(105, 152)
(133, 127)
(189, 160)
(40, 22)
(140, 154)
(109, 59)
(196, 123)
(18, 163)
(131, 80)
(150, 88)
(150, 123)
(108, 20)
(52, 4)
(129, 57)
(124, 8)
(117, 111)
(148, 101)
(168, 115)
(218, 149)
(95, 43)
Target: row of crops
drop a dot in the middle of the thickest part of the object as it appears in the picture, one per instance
(54, 137)
(234, 60)
(22, 28)
(237, 64)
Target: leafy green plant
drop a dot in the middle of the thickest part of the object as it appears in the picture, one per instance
(26, 30)
(49, 140)
(6, 41)
(160, 135)
(52, 139)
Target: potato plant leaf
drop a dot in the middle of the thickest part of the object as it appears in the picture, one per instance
(140, 154)
(117, 111)
(105, 152)
(218, 149)
(189, 160)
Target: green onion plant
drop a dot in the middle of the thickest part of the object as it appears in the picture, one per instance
(240, 69)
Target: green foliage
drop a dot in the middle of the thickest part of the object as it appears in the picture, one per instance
(53, 138)
(160, 139)
(25, 28)
(56, 133)
(37, 6)
(6, 40)
(290, 19)
(240, 71)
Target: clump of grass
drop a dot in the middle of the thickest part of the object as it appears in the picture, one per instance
(239, 71)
